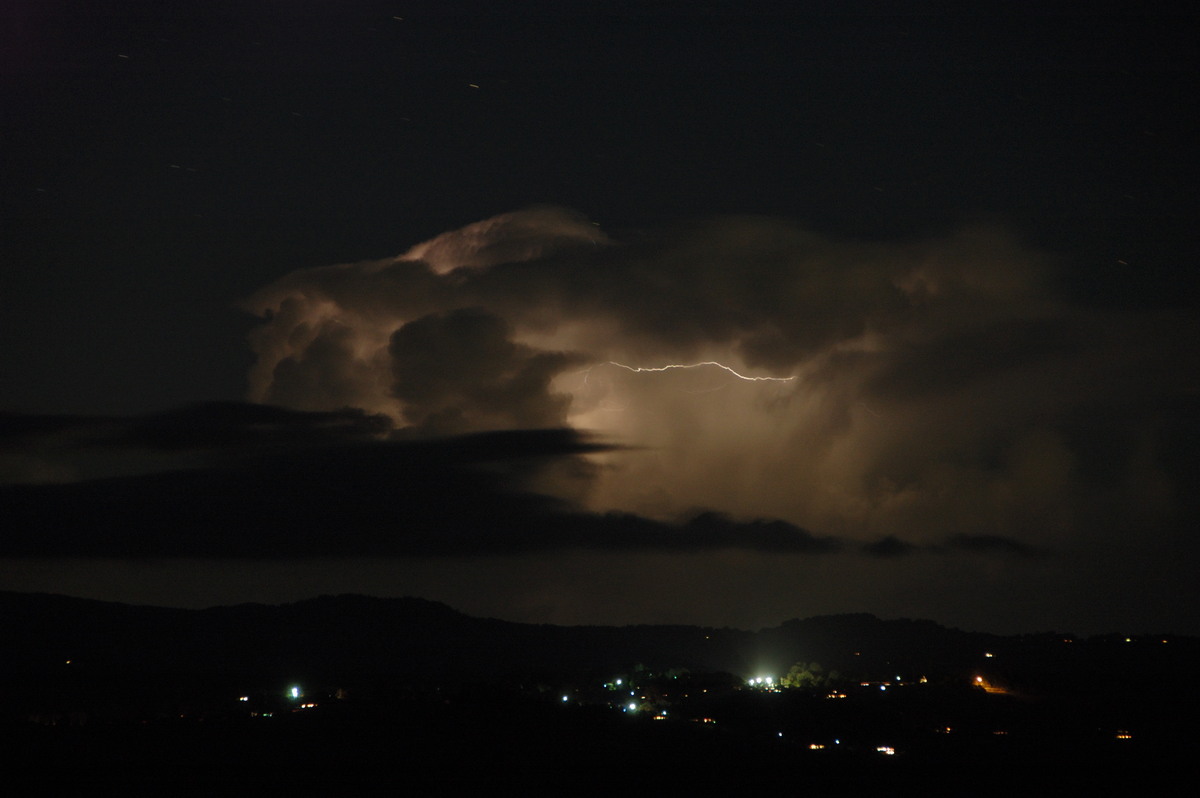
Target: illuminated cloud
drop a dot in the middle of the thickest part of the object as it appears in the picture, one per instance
(458, 371)
(925, 390)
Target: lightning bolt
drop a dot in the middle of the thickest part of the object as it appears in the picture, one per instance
(641, 369)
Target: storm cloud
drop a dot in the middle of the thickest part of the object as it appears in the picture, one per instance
(923, 389)
(737, 420)
(459, 371)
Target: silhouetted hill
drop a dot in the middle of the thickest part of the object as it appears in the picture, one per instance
(332, 635)
(339, 638)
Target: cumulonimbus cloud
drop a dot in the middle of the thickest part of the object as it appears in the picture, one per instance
(927, 388)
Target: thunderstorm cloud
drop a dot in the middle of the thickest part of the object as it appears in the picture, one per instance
(939, 391)
(736, 420)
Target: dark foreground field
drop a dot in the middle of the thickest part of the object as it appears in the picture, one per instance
(428, 748)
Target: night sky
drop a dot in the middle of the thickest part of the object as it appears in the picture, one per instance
(605, 312)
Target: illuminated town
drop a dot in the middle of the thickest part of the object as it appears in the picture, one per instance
(888, 702)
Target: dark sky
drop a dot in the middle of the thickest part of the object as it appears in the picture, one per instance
(962, 244)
